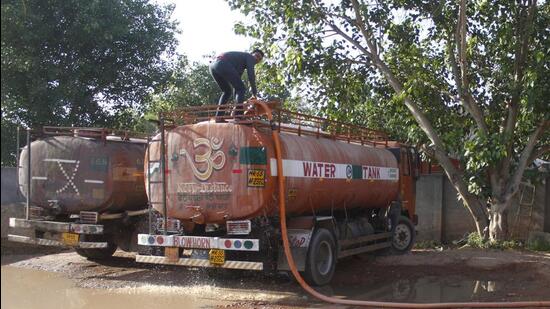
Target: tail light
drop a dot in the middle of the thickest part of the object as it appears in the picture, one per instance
(88, 217)
(174, 225)
(241, 227)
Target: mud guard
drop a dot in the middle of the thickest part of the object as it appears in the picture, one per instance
(299, 235)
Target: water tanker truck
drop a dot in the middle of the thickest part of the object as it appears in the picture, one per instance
(213, 183)
(84, 189)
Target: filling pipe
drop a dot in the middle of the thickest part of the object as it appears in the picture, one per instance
(334, 300)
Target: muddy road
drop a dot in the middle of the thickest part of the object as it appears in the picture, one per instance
(33, 278)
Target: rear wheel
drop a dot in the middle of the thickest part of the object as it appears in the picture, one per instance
(97, 253)
(403, 237)
(321, 258)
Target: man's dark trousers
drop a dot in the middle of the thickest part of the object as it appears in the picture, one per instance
(226, 76)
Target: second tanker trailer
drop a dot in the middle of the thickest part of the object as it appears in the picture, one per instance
(214, 181)
(84, 189)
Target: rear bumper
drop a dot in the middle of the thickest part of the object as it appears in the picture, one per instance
(246, 265)
(199, 242)
(60, 227)
(55, 243)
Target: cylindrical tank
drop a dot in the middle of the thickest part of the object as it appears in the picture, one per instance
(224, 171)
(73, 174)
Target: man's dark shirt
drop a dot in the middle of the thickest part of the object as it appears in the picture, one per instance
(240, 62)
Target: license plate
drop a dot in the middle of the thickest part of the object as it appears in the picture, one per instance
(172, 254)
(216, 257)
(69, 239)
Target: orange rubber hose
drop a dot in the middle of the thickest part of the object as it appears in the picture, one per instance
(310, 290)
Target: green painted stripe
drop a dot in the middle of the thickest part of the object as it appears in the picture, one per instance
(253, 155)
(357, 172)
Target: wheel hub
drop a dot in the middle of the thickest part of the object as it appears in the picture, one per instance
(401, 237)
(325, 258)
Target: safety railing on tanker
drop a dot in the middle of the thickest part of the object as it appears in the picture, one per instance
(283, 120)
(98, 133)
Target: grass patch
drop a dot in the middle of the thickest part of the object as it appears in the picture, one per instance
(476, 241)
(427, 244)
(538, 245)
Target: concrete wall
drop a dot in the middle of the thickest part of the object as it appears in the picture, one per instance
(429, 199)
(10, 187)
(443, 218)
(547, 211)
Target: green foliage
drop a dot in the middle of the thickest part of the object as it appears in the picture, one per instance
(9, 142)
(538, 245)
(318, 48)
(427, 244)
(190, 84)
(81, 63)
(476, 241)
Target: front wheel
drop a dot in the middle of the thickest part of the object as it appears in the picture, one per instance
(321, 258)
(403, 237)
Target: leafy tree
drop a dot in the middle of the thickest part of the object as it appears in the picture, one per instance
(189, 85)
(465, 79)
(81, 63)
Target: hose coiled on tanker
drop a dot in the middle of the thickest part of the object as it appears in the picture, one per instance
(334, 300)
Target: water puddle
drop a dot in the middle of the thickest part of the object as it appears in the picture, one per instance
(435, 289)
(27, 288)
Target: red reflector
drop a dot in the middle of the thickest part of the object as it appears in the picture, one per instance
(227, 243)
(160, 240)
(237, 171)
(167, 171)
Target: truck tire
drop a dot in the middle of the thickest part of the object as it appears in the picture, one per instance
(97, 253)
(403, 237)
(321, 258)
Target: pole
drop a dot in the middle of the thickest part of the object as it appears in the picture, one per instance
(163, 169)
(29, 180)
(149, 183)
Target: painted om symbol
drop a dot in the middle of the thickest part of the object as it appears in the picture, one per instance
(212, 155)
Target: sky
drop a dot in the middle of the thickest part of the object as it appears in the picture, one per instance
(207, 27)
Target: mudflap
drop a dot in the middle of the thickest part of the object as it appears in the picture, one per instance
(299, 245)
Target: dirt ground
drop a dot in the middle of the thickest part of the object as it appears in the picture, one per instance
(422, 276)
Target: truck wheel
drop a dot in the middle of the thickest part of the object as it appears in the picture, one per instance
(321, 258)
(97, 253)
(403, 236)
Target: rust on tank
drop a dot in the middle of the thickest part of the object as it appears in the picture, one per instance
(85, 169)
(226, 171)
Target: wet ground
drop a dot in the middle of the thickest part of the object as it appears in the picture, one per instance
(65, 280)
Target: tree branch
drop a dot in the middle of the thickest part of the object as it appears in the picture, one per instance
(463, 86)
(472, 203)
(526, 154)
(524, 31)
(364, 30)
(349, 39)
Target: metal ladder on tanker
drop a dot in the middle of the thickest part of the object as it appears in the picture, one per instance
(162, 169)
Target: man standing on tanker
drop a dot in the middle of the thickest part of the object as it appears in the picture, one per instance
(227, 70)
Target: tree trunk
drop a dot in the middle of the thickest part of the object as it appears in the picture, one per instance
(498, 225)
